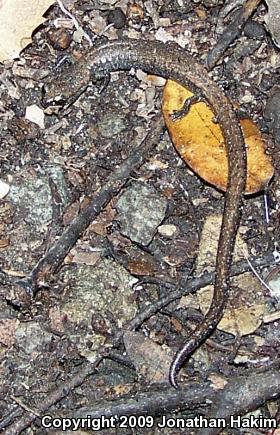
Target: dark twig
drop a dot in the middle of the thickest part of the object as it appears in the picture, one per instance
(6, 421)
(52, 398)
(55, 228)
(156, 400)
(103, 352)
(5, 279)
(56, 254)
(260, 386)
(191, 287)
(231, 32)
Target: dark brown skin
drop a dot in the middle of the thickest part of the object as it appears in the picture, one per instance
(172, 62)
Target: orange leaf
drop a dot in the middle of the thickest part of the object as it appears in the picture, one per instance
(199, 141)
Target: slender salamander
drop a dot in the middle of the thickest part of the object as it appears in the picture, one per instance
(172, 62)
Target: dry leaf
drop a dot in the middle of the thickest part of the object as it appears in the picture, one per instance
(149, 358)
(217, 382)
(80, 256)
(242, 320)
(208, 244)
(18, 19)
(245, 309)
(199, 141)
(4, 243)
(141, 266)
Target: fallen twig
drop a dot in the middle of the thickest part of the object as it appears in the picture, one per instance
(231, 32)
(103, 352)
(224, 402)
(51, 261)
(52, 398)
(190, 286)
(259, 387)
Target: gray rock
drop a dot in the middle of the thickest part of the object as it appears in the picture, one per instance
(32, 197)
(107, 286)
(31, 337)
(140, 211)
(111, 124)
(272, 112)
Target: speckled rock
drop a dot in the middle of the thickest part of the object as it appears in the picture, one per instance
(107, 286)
(31, 337)
(31, 202)
(32, 196)
(272, 112)
(94, 292)
(111, 124)
(272, 20)
(141, 209)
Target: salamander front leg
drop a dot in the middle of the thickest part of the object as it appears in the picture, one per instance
(180, 113)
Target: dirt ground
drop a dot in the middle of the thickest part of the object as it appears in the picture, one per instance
(157, 235)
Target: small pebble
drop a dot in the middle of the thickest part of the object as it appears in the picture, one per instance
(4, 189)
(117, 17)
(167, 230)
(60, 39)
(254, 30)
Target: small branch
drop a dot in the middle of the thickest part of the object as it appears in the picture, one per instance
(166, 401)
(56, 254)
(191, 287)
(52, 398)
(75, 22)
(157, 400)
(231, 33)
(260, 386)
